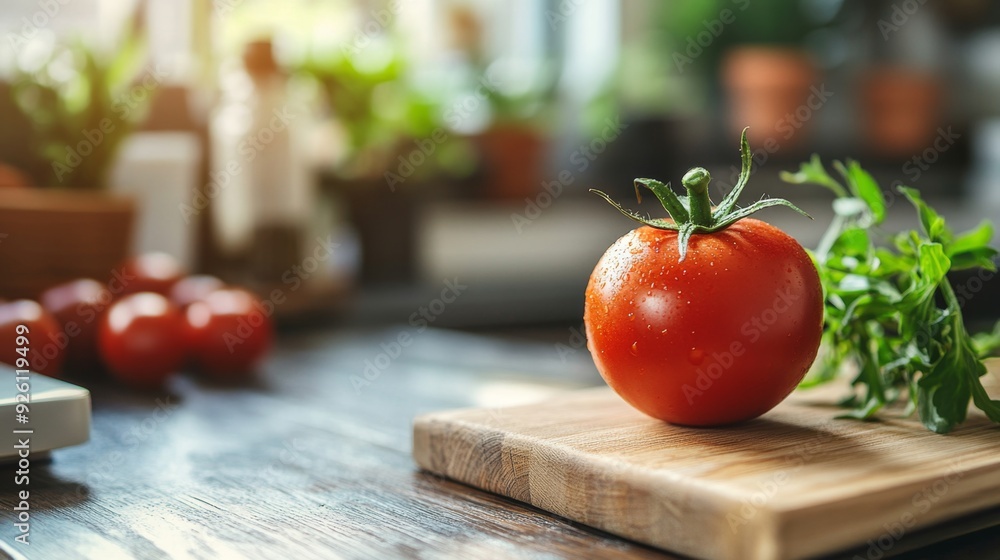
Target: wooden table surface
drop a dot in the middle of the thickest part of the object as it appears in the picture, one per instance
(307, 462)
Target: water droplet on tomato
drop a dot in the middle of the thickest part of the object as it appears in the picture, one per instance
(696, 356)
(635, 348)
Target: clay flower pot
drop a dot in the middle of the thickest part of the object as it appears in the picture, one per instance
(901, 110)
(769, 89)
(513, 156)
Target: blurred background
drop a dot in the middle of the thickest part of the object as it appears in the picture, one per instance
(360, 158)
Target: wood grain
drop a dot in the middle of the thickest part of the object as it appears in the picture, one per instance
(297, 464)
(793, 484)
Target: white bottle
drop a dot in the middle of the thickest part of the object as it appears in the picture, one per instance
(262, 178)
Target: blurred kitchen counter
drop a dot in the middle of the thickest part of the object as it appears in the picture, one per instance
(537, 273)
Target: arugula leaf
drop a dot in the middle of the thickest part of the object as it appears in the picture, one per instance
(980, 257)
(943, 397)
(978, 238)
(983, 402)
(813, 172)
(933, 224)
(891, 311)
(987, 343)
(863, 186)
(934, 264)
(971, 249)
(867, 411)
(853, 241)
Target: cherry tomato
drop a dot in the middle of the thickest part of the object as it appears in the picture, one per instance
(720, 337)
(78, 307)
(228, 332)
(30, 338)
(149, 272)
(194, 288)
(142, 340)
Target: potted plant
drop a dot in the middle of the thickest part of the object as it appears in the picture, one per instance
(394, 149)
(513, 147)
(766, 73)
(514, 98)
(380, 114)
(903, 90)
(68, 119)
(901, 108)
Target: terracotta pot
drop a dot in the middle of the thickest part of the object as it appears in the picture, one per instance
(513, 157)
(53, 236)
(901, 111)
(12, 177)
(768, 89)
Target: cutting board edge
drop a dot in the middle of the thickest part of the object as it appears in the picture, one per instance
(966, 497)
(760, 542)
(778, 524)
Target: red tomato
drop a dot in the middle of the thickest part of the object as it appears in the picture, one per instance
(141, 339)
(78, 307)
(228, 332)
(194, 288)
(43, 346)
(720, 337)
(149, 272)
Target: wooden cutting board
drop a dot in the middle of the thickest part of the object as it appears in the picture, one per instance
(793, 484)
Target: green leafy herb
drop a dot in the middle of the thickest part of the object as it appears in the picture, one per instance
(892, 312)
(81, 88)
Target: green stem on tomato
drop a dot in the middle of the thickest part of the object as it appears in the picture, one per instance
(700, 205)
(693, 214)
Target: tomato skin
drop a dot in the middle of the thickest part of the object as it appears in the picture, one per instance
(149, 272)
(194, 288)
(141, 340)
(719, 338)
(78, 307)
(46, 345)
(228, 333)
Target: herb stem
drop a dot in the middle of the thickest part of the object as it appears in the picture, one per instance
(829, 238)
